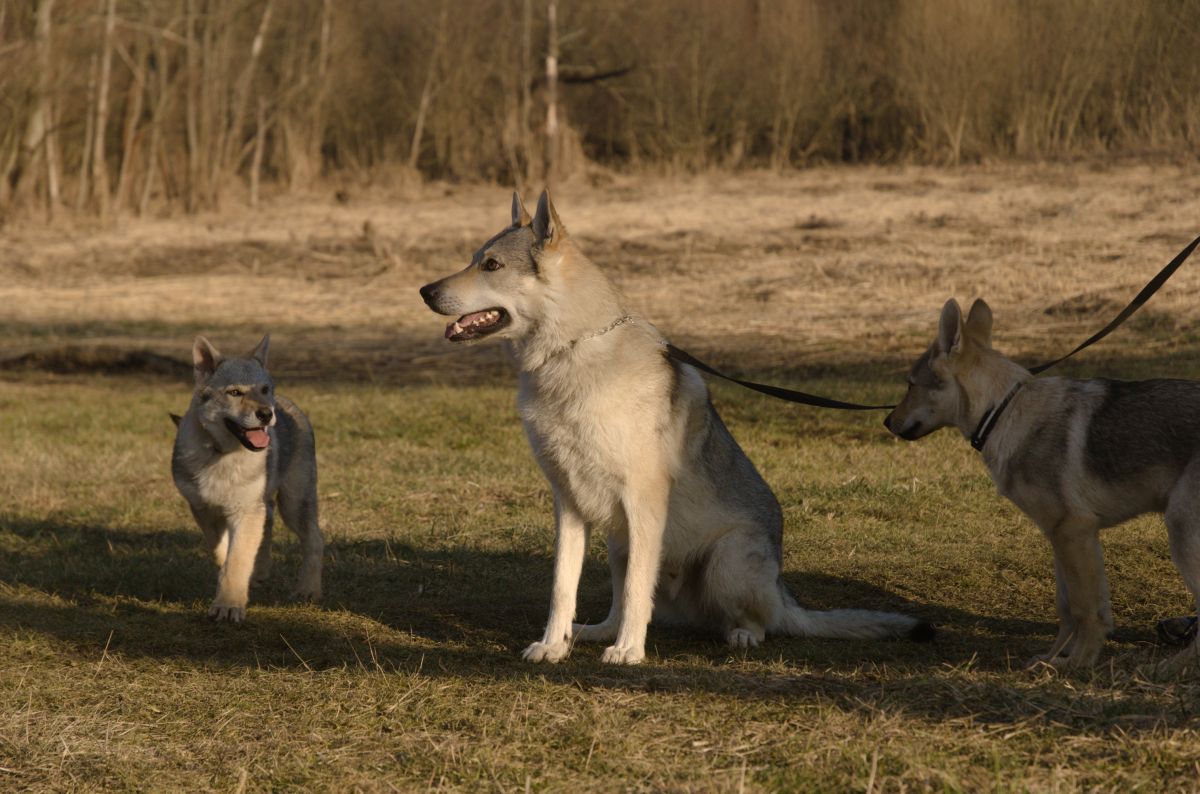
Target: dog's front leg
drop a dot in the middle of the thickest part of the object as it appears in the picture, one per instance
(1082, 594)
(645, 505)
(1061, 648)
(570, 546)
(618, 563)
(213, 524)
(233, 583)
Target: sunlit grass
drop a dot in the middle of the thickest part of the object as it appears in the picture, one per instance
(438, 573)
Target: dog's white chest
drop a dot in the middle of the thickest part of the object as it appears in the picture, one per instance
(235, 478)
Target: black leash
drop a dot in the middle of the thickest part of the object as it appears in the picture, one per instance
(778, 392)
(1147, 292)
(803, 398)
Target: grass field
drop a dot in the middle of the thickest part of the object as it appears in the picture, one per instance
(409, 676)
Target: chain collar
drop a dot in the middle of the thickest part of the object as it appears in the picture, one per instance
(614, 324)
(617, 323)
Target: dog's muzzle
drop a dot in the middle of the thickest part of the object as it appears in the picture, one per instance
(430, 293)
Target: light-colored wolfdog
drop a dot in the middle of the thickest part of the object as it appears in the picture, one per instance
(633, 448)
(238, 447)
(1075, 455)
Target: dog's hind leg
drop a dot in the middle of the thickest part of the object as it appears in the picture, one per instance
(262, 562)
(738, 586)
(233, 583)
(606, 631)
(1183, 531)
(299, 511)
(570, 546)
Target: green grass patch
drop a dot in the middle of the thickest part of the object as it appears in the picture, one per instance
(438, 574)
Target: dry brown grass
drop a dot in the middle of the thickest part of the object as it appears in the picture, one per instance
(796, 270)
(409, 676)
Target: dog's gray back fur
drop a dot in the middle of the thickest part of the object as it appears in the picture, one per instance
(1099, 444)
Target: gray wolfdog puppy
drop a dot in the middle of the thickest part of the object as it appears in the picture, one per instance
(1075, 455)
(238, 447)
(632, 448)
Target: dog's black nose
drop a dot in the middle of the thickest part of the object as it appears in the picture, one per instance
(264, 414)
(429, 294)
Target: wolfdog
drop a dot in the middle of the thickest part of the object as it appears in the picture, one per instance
(1075, 455)
(238, 447)
(633, 448)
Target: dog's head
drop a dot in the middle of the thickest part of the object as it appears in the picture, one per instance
(502, 292)
(234, 398)
(937, 396)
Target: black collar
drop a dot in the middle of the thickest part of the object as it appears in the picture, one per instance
(988, 422)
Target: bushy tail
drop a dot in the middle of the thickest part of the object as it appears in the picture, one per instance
(850, 624)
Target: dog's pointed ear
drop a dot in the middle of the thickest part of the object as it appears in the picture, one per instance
(259, 353)
(547, 227)
(205, 359)
(520, 215)
(175, 418)
(950, 328)
(979, 322)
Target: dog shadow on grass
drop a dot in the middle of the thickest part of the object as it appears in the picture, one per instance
(467, 614)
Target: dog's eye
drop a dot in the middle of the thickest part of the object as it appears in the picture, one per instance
(266, 389)
(235, 392)
(490, 265)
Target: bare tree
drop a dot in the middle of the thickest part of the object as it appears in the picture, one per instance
(45, 107)
(552, 137)
(99, 152)
(229, 145)
(428, 89)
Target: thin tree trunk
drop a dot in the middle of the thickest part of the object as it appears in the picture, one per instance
(133, 112)
(260, 135)
(99, 153)
(526, 110)
(191, 106)
(85, 159)
(23, 176)
(316, 128)
(161, 101)
(414, 150)
(231, 138)
(551, 155)
(46, 102)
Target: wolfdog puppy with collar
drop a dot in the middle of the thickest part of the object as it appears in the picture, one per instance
(240, 448)
(1076, 456)
(633, 449)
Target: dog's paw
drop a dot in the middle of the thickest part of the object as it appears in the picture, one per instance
(306, 593)
(1184, 664)
(598, 632)
(742, 638)
(615, 654)
(547, 652)
(1061, 663)
(227, 612)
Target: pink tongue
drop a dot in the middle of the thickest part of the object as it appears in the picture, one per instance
(258, 438)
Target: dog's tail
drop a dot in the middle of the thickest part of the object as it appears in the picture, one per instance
(849, 624)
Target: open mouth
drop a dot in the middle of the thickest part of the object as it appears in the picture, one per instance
(477, 324)
(255, 439)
